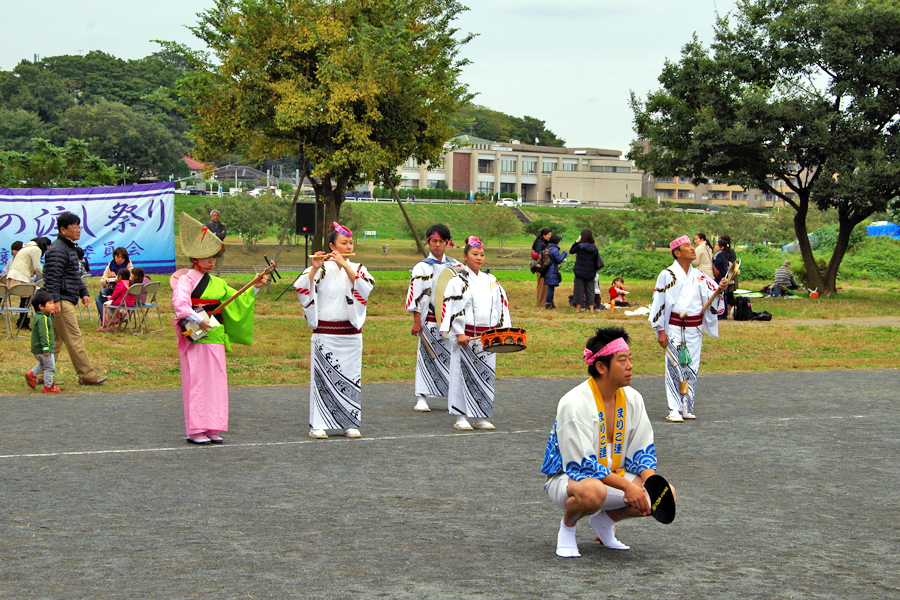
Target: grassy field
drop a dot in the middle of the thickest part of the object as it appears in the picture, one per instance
(806, 334)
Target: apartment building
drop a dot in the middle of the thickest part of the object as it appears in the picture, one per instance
(538, 174)
(680, 189)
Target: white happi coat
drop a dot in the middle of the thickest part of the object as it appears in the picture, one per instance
(679, 293)
(431, 374)
(574, 447)
(477, 300)
(335, 360)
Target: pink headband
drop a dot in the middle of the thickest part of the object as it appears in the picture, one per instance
(435, 235)
(617, 345)
(341, 229)
(675, 243)
(475, 242)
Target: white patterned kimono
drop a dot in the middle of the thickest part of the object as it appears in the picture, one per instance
(431, 374)
(679, 293)
(335, 309)
(472, 302)
(574, 448)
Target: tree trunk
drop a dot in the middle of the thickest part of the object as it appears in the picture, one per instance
(409, 222)
(813, 275)
(328, 208)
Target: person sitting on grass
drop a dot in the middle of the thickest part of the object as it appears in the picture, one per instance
(784, 280)
(617, 292)
(43, 342)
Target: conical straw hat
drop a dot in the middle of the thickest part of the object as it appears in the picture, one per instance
(196, 240)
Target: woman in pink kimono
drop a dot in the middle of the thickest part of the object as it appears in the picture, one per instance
(204, 380)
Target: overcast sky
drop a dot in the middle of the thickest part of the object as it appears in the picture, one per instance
(570, 63)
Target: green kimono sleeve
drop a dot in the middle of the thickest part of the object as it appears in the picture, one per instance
(237, 317)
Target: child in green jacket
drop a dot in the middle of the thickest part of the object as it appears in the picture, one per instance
(43, 342)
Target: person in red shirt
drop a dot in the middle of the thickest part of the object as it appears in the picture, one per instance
(617, 292)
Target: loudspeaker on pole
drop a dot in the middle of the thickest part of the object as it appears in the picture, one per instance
(306, 218)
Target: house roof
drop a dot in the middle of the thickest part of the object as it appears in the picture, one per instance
(195, 165)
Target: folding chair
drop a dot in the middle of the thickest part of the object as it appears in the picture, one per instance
(133, 320)
(119, 314)
(85, 278)
(4, 295)
(150, 289)
(24, 290)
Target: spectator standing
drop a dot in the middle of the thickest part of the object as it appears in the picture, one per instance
(42, 343)
(540, 242)
(720, 264)
(62, 282)
(731, 256)
(218, 229)
(704, 260)
(110, 276)
(26, 268)
(587, 263)
(552, 277)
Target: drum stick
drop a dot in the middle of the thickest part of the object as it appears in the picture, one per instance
(327, 256)
(427, 346)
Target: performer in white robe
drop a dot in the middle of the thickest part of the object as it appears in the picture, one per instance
(473, 302)
(431, 373)
(334, 293)
(680, 294)
(600, 450)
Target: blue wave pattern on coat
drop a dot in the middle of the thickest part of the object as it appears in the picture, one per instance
(589, 467)
(642, 460)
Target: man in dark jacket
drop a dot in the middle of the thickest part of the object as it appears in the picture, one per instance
(218, 229)
(62, 280)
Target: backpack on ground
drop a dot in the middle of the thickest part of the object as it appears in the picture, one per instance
(743, 310)
(542, 263)
(762, 315)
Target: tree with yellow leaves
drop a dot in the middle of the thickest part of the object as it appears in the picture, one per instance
(352, 87)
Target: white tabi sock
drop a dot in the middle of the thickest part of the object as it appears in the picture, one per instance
(566, 543)
(605, 528)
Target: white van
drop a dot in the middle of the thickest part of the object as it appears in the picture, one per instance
(567, 202)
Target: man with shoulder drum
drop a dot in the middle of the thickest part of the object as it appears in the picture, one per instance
(677, 317)
(600, 457)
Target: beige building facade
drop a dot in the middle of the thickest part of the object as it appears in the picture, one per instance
(537, 174)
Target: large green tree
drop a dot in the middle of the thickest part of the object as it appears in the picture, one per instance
(47, 166)
(34, 88)
(805, 92)
(494, 125)
(352, 87)
(18, 127)
(136, 143)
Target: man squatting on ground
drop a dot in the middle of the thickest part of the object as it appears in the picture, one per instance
(600, 450)
(678, 298)
(431, 373)
(334, 293)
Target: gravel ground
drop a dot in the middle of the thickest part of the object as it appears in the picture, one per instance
(784, 492)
